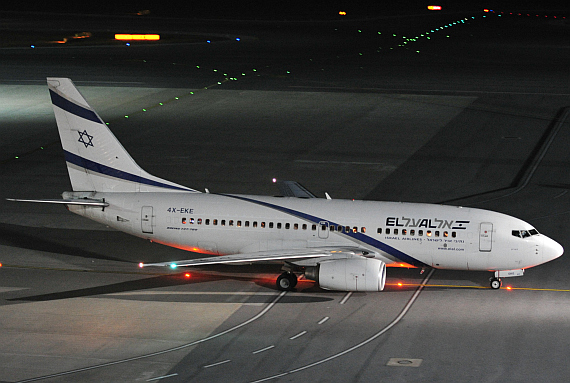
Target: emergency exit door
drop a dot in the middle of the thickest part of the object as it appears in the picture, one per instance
(485, 236)
(147, 219)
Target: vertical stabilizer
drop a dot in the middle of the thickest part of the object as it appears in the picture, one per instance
(96, 160)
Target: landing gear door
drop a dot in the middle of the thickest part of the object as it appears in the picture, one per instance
(147, 220)
(485, 236)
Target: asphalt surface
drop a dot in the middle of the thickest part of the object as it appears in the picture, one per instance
(477, 115)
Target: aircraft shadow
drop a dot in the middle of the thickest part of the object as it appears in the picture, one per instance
(171, 281)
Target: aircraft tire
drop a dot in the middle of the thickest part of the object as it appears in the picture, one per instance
(496, 283)
(286, 281)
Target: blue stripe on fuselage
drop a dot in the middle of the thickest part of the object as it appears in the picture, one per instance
(108, 171)
(73, 108)
(357, 236)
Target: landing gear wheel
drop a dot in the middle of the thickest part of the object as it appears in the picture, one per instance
(286, 281)
(496, 283)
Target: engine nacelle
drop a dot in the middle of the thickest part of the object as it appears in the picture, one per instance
(353, 274)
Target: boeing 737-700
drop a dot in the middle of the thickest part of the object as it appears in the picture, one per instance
(341, 244)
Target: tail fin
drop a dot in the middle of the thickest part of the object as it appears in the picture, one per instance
(96, 160)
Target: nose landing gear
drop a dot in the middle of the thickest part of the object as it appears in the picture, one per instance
(496, 283)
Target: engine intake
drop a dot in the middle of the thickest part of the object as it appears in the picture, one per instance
(354, 274)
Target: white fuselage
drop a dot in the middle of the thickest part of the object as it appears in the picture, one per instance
(399, 234)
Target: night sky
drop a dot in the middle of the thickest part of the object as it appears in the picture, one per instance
(278, 9)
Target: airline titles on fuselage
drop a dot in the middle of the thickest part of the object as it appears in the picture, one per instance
(428, 223)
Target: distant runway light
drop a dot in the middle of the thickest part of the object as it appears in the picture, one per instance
(434, 7)
(342, 13)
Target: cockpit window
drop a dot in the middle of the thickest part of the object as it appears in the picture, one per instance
(524, 233)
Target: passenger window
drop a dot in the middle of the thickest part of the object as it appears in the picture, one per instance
(263, 225)
(238, 223)
(246, 223)
(207, 221)
(387, 231)
(231, 222)
(191, 220)
(279, 225)
(287, 226)
(437, 233)
(395, 231)
(453, 234)
(304, 226)
(339, 228)
(412, 232)
(428, 233)
(223, 222)
(271, 225)
(296, 226)
(379, 231)
(347, 229)
(323, 227)
(184, 221)
(355, 229)
(363, 230)
(420, 233)
(404, 231)
(332, 228)
(199, 221)
(445, 234)
(254, 223)
(314, 227)
(215, 222)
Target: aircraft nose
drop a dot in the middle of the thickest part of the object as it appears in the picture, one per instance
(551, 249)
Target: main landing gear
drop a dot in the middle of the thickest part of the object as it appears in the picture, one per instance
(496, 283)
(287, 281)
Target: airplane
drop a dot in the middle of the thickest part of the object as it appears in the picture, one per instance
(343, 245)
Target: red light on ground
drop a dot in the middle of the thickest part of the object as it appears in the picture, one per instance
(485, 10)
(342, 13)
(400, 284)
(434, 7)
(509, 288)
(187, 275)
(0, 265)
(141, 265)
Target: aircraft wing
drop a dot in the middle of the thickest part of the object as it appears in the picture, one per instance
(293, 189)
(277, 255)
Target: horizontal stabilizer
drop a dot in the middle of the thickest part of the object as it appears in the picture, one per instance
(80, 202)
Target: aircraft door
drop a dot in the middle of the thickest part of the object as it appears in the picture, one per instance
(323, 229)
(147, 219)
(485, 236)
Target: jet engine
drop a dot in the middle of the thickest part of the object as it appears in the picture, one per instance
(353, 274)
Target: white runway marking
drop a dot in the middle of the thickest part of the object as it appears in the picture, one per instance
(218, 363)
(323, 320)
(238, 326)
(162, 377)
(298, 335)
(357, 346)
(263, 349)
(346, 297)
